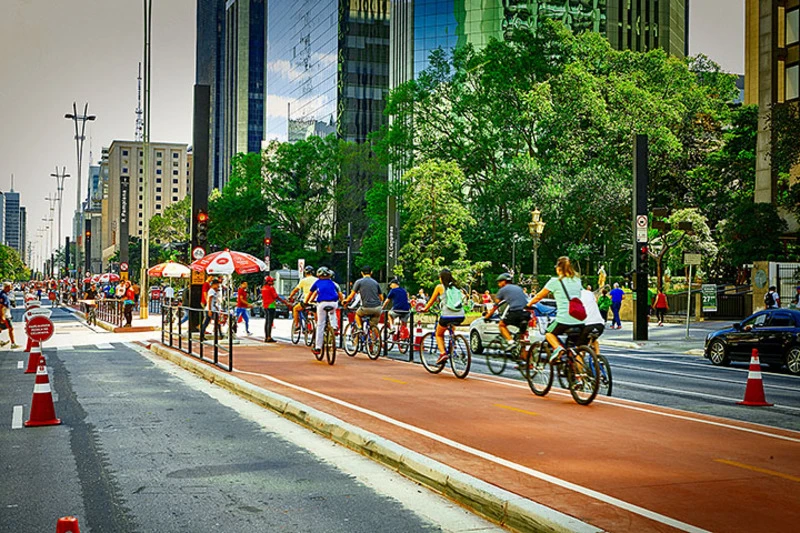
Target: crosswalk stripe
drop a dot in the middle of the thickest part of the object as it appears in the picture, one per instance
(104, 346)
(20, 364)
(16, 418)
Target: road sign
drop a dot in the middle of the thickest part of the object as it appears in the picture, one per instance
(266, 262)
(692, 259)
(37, 311)
(198, 253)
(641, 228)
(709, 292)
(123, 267)
(301, 265)
(198, 278)
(40, 328)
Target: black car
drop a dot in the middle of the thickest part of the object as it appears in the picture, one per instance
(774, 332)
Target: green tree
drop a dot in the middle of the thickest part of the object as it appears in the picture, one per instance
(752, 233)
(11, 266)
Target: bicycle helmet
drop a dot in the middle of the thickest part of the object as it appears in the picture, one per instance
(309, 269)
(505, 276)
(323, 272)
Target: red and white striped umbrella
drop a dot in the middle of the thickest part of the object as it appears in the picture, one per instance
(109, 278)
(170, 269)
(227, 262)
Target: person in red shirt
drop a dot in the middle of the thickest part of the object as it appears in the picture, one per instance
(660, 305)
(268, 298)
(242, 305)
(204, 291)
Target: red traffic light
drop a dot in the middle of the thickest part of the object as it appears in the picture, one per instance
(643, 250)
(267, 241)
(202, 216)
(88, 233)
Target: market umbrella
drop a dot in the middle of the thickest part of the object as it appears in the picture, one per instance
(170, 269)
(96, 278)
(227, 262)
(109, 278)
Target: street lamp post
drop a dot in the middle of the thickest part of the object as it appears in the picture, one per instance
(536, 227)
(60, 185)
(79, 138)
(145, 242)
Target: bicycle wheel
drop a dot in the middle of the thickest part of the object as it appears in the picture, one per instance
(539, 371)
(583, 374)
(351, 337)
(296, 332)
(429, 353)
(329, 346)
(310, 331)
(373, 343)
(321, 355)
(388, 335)
(496, 359)
(460, 358)
(606, 382)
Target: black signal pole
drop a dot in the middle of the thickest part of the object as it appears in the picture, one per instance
(640, 226)
(199, 190)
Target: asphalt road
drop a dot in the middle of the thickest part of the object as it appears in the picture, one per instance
(147, 448)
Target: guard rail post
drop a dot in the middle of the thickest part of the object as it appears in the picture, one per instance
(230, 346)
(411, 339)
(216, 337)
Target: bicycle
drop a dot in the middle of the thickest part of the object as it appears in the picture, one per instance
(396, 334)
(91, 314)
(604, 367)
(369, 337)
(498, 354)
(457, 348)
(307, 326)
(328, 351)
(580, 365)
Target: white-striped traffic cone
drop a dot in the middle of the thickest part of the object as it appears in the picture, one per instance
(34, 356)
(43, 412)
(754, 393)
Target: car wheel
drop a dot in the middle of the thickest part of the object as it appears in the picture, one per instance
(475, 343)
(793, 360)
(718, 354)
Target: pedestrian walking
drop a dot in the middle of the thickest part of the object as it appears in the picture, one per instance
(212, 309)
(5, 316)
(604, 304)
(128, 296)
(242, 306)
(617, 295)
(797, 298)
(268, 298)
(772, 300)
(660, 306)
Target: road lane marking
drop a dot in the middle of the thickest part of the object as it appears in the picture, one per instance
(66, 348)
(104, 346)
(699, 376)
(516, 409)
(759, 470)
(20, 364)
(635, 509)
(512, 383)
(395, 381)
(16, 418)
(708, 365)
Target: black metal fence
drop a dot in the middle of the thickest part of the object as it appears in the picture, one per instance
(111, 311)
(788, 278)
(215, 347)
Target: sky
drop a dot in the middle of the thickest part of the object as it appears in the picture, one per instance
(56, 52)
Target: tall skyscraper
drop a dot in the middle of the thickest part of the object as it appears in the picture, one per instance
(210, 70)
(2, 218)
(772, 76)
(23, 232)
(12, 220)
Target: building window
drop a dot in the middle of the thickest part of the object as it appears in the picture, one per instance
(124, 153)
(174, 155)
(140, 223)
(141, 189)
(141, 153)
(792, 26)
(793, 82)
(158, 163)
(125, 171)
(174, 172)
(175, 181)
(158, 198)
(140, 205)
(158, 189)
(174, 198)
(158, 180)
(158, 207)
(174, 190)
(140, 197)
(158, 171)
(159, 154)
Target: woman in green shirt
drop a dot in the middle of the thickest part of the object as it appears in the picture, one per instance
(567, 285)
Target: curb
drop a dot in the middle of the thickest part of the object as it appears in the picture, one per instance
(491, 502)
(621, 344)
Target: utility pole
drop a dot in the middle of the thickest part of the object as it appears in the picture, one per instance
(60, 193)
(640, 226)
(79, 138)
(145, 263)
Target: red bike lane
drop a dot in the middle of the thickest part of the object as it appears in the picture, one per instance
(619, 465)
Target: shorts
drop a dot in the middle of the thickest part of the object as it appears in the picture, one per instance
(402, 315)
(446, 321)
(559, 329)
(591, 330)
(369, 311)
(518, 318)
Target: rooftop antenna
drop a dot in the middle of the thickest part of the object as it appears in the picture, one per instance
(12, 182)
(139, 120)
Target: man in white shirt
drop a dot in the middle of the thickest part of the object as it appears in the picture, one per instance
(594, 325)
(169, 294)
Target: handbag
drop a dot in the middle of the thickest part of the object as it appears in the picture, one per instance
(576, 308)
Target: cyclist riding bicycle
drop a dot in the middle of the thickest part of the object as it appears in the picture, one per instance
(594, 324)
(452, 309)
(398, 297)
(326, 293)
(371, 296)
(565, 286)
(304, 288)
(515, 314)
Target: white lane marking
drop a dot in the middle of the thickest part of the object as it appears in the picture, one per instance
(691, 393)
(669, 415)
(635, 509)
(66, 348)
(20, 364)
(700, 376)
(16, 418)
(104, 346)
(707, 366)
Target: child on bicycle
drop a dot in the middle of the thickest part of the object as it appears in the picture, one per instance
(326, 293)
(452, 309)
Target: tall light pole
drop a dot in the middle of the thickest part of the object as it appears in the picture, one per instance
(52, 200)
(79, 138)
(60, 193)
(535, 228)
(145, 262)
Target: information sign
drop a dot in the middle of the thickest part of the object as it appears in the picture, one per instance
(40, 328)
(692, 259)
(709, 292)
(641, 228)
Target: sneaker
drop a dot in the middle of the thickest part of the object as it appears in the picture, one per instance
(556, 355)
(507, 345)
(3, 343)
(316, 351)
(271, 340)
(14, 346)
(442, 359)
(248, 333)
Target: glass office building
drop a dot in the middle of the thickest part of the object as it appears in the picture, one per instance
(327, 68)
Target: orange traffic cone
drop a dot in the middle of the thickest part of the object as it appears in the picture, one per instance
(43, 412)
(68, 524)
(29, 345)
(754, 393)
(33, 357)
(417, 334)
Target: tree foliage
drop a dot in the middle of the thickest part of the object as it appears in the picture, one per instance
(11, 266)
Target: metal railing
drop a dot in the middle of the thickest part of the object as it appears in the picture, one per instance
(111, 311)
(177, 333)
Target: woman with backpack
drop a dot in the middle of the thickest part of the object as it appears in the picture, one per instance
(452, 306)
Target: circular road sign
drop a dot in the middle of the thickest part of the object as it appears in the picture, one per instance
(198, 253)
(123, 267)
(641, 221)
(40, 328)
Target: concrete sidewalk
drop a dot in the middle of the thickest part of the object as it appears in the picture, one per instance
(671, 337)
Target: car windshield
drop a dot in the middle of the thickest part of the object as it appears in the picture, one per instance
(757, 320)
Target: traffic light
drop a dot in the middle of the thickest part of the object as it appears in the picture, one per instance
(202, 229)
(88, 234)
(643, 256)
(267, 241)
